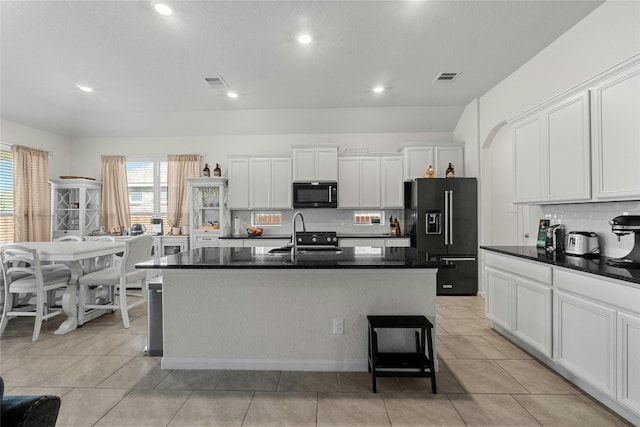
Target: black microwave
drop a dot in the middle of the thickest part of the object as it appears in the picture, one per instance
(315, 195)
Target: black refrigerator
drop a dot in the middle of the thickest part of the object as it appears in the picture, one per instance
(444, 214)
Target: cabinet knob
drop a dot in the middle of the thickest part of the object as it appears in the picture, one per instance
(526, 235)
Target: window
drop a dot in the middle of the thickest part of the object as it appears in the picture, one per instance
(147, 178)
(6, 194)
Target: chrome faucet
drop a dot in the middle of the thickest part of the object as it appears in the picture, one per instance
(294, 241)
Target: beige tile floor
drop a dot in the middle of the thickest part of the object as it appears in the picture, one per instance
(104, 380)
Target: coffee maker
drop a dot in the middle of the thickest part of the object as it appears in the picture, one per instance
(554, 241)
(621, 226)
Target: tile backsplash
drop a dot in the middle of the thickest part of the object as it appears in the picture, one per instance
(340, 220)
(595, 217)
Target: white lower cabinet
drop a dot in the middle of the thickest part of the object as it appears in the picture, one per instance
(518, 299)
(592, 334)
(629, 361)
(585, 340)
(532, 313)
(498, 300)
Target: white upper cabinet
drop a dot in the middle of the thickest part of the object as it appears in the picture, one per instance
(259, 182)
(270, 183)
(281, 183)
(315, 164)
(349, 185)
(528, 160)
(582, 145)
(238, 176)
(418, 158)
(370, 182)
(568, 147)
(370, 196)
(616, 136)
(551, 153)
(392, 182)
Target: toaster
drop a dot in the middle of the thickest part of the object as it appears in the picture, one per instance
(582, 243)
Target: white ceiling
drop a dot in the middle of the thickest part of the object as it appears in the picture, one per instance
(148, 71)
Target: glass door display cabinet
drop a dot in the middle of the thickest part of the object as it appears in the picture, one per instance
(75, 207)
(209, 217)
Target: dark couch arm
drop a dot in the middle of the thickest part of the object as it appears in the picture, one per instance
(28, 411)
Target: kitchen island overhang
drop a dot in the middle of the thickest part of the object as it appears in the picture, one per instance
(241, 308)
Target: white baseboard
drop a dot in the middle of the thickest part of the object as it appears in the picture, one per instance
(263, 365)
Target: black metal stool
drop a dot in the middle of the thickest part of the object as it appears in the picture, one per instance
(391, 364)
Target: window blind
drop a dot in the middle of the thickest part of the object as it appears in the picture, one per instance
(6, 194)
(147, 181)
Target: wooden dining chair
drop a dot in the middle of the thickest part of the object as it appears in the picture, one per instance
(136, 250)
(22, 274)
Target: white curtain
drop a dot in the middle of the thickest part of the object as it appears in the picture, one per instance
(31, 206)
(115, 192)
(179, 168)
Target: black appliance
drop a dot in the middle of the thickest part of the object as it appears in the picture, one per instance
(316, 239)
(138, 229)
(554, 239)
(621, 226)
(443, 212)
(315, 195)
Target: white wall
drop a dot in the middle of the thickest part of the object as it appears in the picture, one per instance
(86, 151)
(59, 146)
(466, 132)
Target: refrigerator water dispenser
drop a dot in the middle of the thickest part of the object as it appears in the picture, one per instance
(434, 219)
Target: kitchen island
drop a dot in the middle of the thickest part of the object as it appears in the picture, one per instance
(247, 308)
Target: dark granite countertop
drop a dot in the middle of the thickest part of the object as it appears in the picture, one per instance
(597, 266)
(262, 237)
(347, 258)
(339, 235)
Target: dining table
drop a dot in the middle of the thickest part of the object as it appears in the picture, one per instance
(72, 254)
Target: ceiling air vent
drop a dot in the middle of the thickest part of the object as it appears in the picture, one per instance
(446, 77)
(217, 83)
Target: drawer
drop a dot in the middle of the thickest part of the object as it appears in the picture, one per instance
(606, 291)
(529, 269)
(270, 243)
(397, 243)
(205, 240)
(230, 243)
(350, 242)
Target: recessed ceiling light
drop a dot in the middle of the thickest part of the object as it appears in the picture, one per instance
(85, 88)
(378, 89)
(163, 9)
(304, 38)
(232, 94)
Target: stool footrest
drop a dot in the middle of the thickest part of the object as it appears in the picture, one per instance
(400, 361)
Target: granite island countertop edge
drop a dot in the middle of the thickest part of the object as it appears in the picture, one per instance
(244, 258)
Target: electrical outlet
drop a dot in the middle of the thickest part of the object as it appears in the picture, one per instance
(338, 326)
